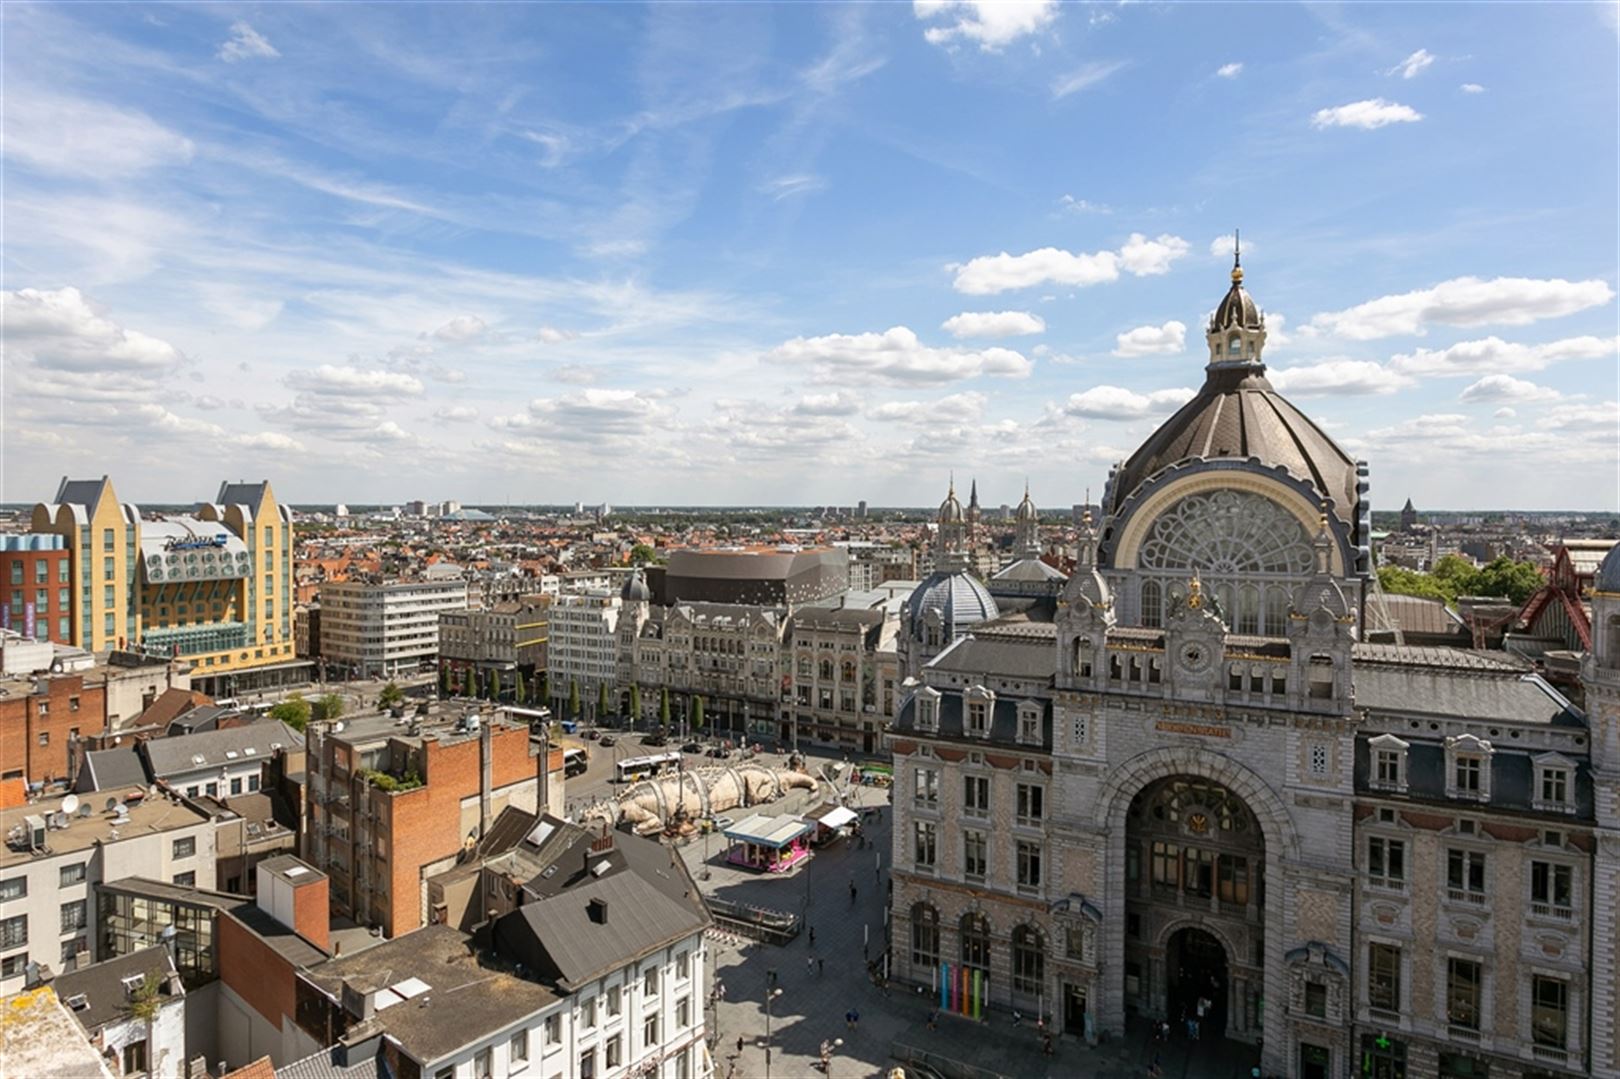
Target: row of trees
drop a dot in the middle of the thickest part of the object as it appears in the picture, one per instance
(466, 683)
(1455, 576)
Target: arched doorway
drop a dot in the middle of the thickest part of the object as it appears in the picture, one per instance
(1197, 981)
(1195, 906)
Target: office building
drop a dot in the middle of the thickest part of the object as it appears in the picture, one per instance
(376, 629)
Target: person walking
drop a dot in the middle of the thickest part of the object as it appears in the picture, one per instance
(812, 936)
(810, 963)
(849, 1019)
(821, 964)
(933, 1019)
(852, 892)
(739, 1044)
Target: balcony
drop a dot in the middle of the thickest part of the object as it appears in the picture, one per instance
(1473, 899)
(1552, 911)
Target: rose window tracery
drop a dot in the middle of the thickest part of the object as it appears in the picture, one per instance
(1227, 533)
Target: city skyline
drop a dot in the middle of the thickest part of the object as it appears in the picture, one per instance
(785, 256)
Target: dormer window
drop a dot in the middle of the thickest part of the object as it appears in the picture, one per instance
(1388, 763)
(1234, 345)
(928, 709)
(1555, 783)
(1468, 768)
(1029, 722)
(977, 705)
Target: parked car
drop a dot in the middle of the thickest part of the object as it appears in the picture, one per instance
(692, 747)
(608, 741)
(591, 735)
(654, 740)
(719, 751)
(722, 823)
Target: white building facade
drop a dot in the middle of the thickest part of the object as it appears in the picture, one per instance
(380, 629)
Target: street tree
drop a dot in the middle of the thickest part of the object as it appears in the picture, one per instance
(294, 712)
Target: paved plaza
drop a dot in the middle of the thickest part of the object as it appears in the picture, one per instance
(823, 982)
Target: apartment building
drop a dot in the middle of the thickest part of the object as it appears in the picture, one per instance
(502, 637)
(582, 647)
(382, 628)
(36, 587)
(840, 674)
(41, 721)
(726, 653)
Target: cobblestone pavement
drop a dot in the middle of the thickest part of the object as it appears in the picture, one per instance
(820, 983)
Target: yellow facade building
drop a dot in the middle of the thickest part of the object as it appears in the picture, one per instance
(214, 587)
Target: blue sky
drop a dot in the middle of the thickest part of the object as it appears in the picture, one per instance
(797, 254)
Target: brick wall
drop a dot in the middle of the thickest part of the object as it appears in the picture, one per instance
(312, 915)
(255, 971)
(66, 706)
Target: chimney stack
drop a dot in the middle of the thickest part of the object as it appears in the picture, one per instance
(597, 909)
(486, 778)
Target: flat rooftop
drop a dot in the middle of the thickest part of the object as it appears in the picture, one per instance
(147, 816)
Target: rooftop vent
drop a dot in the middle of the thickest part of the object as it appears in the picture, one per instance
(597, 909)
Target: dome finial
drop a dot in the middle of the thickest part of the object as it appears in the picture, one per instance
(952, 491)
(1237, 257)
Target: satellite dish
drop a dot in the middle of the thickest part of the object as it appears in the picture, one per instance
(85, 811)
(112, 804)
(70, 804)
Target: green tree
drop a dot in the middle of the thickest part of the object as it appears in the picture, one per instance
(391, 695)
(573, 698)
(444, 681)
(601, 700)
(1502, 576)
(663, 707)
(697, 713)
(494, 685)
(328, 706)
(635, 702)
(520, 691)
(642, 555)
(1400, 581)
(294, 712)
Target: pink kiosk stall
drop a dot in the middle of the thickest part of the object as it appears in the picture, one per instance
(774, 844)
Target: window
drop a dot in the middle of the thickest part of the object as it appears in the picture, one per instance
(1386, 862)
(1554, 785)
(978, 717)
(1468, 767)
(683, 1013)
(615, 1001)
(1029, 960)
(1468, 775)
(13, 966)
(976, 795)
(1384, 977)
(71, 950)
(186, 879)
(1074, 943)
(1031, 800)
(975, 934)
(185, 848)
(1029, 723)
(15, 887)
(928, 709)
(1464, 978)
(1152, 604)
(14, 931)
(1233, 881)
(924, 936)
(1316, 1000)
(74, 916)
(1029, 864)
(683, 1064)
(613, 1052)
(1465, 875)
(553, 1029)
(587, 1014)
(1319, 759)
(1549, 1012)
(44, 736)
(518, 1048)
(135, 1058)
(974, 860)
(16, 573)
(587, 1064)
(484, 1063)
(649, 1030)
(683, 966)
(924, 845)
(649, 981)
(1552, 890)
(925, 786)
(1388, 767)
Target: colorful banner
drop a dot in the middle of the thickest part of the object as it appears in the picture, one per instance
(962, 990)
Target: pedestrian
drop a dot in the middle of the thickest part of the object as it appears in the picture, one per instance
(1164, 1030)
(1046, 1045)
(849, 1020)
(852, 893)
(810, 963)
(854, 1019)
(933, 1019)
(863, 955)
(812, 936)
(739, 1044)
(821, 965)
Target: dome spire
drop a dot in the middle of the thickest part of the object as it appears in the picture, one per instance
(1237, 258)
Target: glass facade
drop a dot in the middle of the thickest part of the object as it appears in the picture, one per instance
(127, 923)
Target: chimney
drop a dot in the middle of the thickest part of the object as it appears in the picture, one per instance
(486, 777)
(597, 910)
(542, 773)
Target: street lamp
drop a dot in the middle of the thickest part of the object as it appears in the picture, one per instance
(827, 1051)
(770, 995)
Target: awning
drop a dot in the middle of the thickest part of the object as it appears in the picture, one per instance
(764, 831)
(837, 817)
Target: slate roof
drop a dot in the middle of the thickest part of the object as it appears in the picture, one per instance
(1029, 569)
(112, 769)
(244, 494)
(1512, 777)
(1003, 720)
(329, 1064)
(176, 756)
(1451, 682)
(1007, 655)
(101, 984)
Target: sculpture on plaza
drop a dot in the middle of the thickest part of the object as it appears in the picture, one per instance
(653, 805)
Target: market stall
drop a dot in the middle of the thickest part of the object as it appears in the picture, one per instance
(773, 844)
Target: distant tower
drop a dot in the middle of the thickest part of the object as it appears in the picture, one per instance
(1408, 516)
(1027, 528)
(973, 510)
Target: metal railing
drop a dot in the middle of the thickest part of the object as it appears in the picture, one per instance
(942, 1065)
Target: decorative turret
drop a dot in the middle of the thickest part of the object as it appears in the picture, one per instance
(973, 510)
(1237, 329)
(1026, 528)
(952, 534)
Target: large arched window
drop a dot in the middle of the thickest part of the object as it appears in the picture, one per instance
(826, 670)
(1152, 603)
(1029, 959)
(1226, 532)
(975, 932)
(1276, 611)
(924, 935)
(849, 670)
(1248, 609)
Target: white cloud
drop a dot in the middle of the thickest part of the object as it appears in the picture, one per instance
(273, 441)
(348, 381)
(1472, 88)
(1508, 388)
(1413, 65)
(1492, 354)
(1118, 403)
(452, 375)
(994, 24)
(62, 330)
(1082, 206)
(1222, 246)
(1084, 77)
(554, 146)
(782, 187)
(999, 273)
(75, 136)
(575, 374)
(1152, 340)
(957, 408)
(1599, 418)
(461, 329)
(1230, 71)
(590, 415)
(246, 43)
(1339, 378)
(1465, 301)
(896, 356)
(456, 413)
(1367, 115)
(993, 324)
(827, 404)
(1505, 413)
(551, 335)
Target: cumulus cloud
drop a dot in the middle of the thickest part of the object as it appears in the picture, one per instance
(1505, 413)
(589, 415)
(461, 329)
(896, 356)
(551, 335)
(456, 413)
(349, 381)
(957, 408)
(1413, 65)
(1084, 77)
(1472, 88)
(74, 136)
(993, 324)
(1230, 71)
(1508, 388)
(998, 273)
(1152, 340)
(993, 24)
(827, 404)
(1224, 245)
(246, 43)
(1464, 301)
(1368, 115)
(62, 330)
(1118, 403)
(1599, 418)
(1492, 354)
(273, 441)
(1339, 378)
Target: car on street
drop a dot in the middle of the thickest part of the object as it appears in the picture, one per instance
(719, 751)
(692, 747)
(654, 740)
(591, 735)
(608, 741)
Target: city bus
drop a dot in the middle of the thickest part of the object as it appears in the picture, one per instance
(575, 761)
(633, 768)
